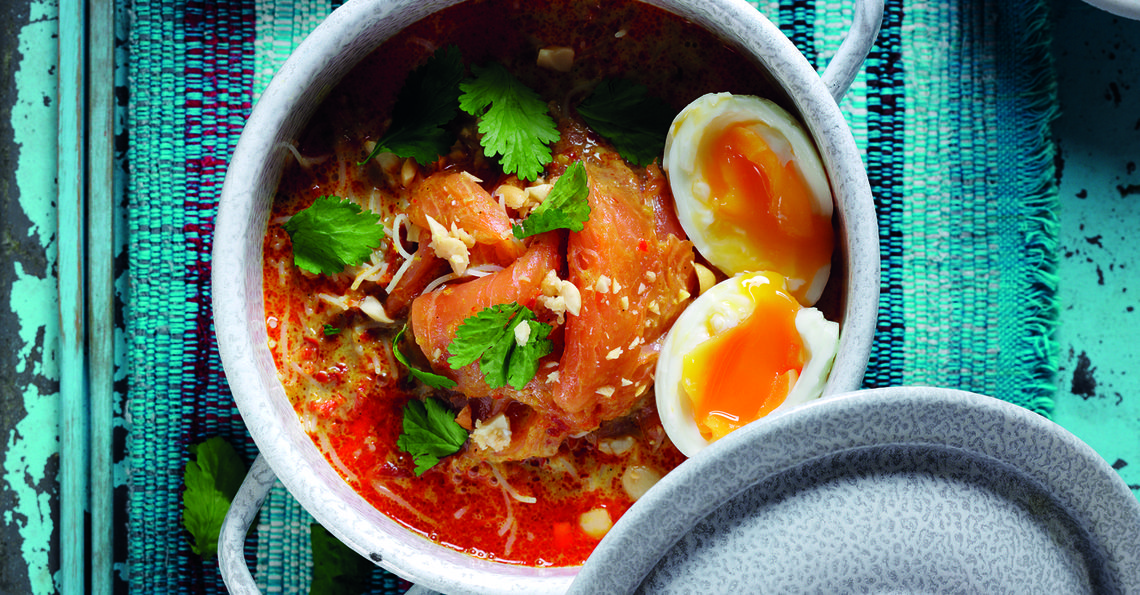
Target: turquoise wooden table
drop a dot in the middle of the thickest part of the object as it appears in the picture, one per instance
(63, 256)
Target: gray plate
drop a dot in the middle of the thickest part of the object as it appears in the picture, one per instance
(912, 490)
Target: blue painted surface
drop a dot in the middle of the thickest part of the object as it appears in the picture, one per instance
(1098, 134)
(29, 306)
(1098, 66)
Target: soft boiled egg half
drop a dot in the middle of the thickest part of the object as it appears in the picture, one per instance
(750, 190)
(742, 350)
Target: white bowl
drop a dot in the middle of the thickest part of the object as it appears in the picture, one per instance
(350, 33)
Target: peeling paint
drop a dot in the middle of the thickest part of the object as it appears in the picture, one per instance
(1100, 399)
(31, 444)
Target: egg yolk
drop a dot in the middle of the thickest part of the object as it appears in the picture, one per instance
(742, 374)
(767, 205)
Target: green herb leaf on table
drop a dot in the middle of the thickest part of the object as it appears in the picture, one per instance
(430, 433)
(514, 121)
(333, 233)
(211, 482)
(634, 121)
(336, 567)
(489, 336)
(429, 378)
(565, 207)
(426, 103)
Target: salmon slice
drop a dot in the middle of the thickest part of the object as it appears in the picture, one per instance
(424, 269)
(436, 315)
(456, 198)
(533, 433)
(635, 276)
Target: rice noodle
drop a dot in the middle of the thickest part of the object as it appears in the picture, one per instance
(377, 367)
(397, 243)
(336, 301)
(375, 201)
(303, 161)
(387, 493)
(477, 271)
(303, 374)
(283, 333)
(439, 281)
(309, 421)
(399, 275)
(508, 488)
(335, 458)
(559, 463)
(509, 523)
(370, 273)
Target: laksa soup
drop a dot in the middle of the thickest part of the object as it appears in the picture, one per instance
(527, 257)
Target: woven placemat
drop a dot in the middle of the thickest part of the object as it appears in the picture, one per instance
(952, 112)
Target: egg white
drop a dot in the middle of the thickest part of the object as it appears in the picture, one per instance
(705, 118)
(722, 307)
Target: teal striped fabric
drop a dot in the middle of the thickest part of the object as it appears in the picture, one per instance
(952, 113)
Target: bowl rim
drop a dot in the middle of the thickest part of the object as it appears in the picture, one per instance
(317, 64)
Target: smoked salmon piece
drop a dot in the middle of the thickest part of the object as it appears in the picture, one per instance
(632, 267)
(424, 269)
(436, 315)
(635, 275)
(456, 198)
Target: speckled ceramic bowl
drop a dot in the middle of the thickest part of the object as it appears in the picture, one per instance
(896, 490)
(1129, 9)
(350, 33)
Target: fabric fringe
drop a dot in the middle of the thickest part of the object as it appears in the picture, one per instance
(1033, 71)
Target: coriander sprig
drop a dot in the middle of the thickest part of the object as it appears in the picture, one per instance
(429, 378)
(490, 337)
(212, 480)
(430, 433)
(566, 207)
(426, 103)
(333, 233)
(634, 121)
(513, 119)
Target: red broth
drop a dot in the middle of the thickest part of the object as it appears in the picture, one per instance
(347, 388)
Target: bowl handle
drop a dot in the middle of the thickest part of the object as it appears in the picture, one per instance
(848, 60)
(231, 539)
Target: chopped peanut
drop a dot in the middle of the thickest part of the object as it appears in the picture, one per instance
(558, 58)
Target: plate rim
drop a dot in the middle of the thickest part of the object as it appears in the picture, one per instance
(624, 558)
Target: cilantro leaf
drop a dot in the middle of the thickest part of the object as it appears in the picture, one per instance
(524, 361)
(489, 336)
(211, 483)
(336, 567)
(495, 360)
(426, 103)
(333, 233)
(331, 331)
(429, 378)
(565, 207)
(515, 122)
(430, 432)
(635, 122)
(477, 333)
